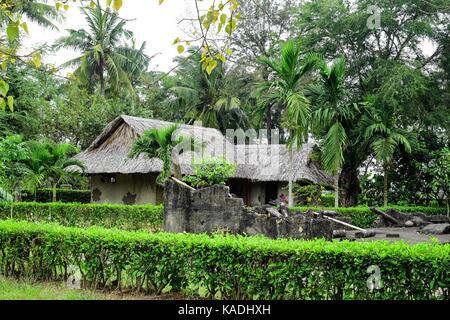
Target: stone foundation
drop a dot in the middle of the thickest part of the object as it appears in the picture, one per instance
(211, 209)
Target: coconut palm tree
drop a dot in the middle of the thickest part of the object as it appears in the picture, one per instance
(160, 143)
(331, 110)
(105, 56)
(205, 97)
(385, 137)
(38, 12)
(41, 13)
(285, 90)
(49, 163)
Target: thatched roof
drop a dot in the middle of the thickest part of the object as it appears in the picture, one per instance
(109, 153)
(273, 163)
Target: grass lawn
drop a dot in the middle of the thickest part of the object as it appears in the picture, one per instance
(11, 289)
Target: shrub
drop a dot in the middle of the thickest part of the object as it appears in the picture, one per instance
(225, 266)
(364, 218)
(62, 195)
(327, 200)
(210, 171)
(84, 215)
(307, 195)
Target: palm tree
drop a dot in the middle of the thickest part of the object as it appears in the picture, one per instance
(205, 97)
(332, 110)
(285, 90)
(15, 176)
(105, 56)
(160, 143)
(38, 12)
(385, 137)
(49, 163)
(41, 13)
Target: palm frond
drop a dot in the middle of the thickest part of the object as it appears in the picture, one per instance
(335, 143)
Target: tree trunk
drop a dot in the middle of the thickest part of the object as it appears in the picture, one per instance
(54, 199)
(336, 190)
(448, 208)
(385, 187)
(102, 79)
(269, 123)
(290, 196)
(349, 186)
(177, 171)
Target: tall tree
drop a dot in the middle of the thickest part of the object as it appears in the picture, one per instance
(332, 110)
(106, 58)
(205, 97)
(392, 52)
(39, 12)
(263, 26)
(385, 136)
(285, 90)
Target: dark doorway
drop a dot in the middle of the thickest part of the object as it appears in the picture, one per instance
(271, 191)
(242, 189)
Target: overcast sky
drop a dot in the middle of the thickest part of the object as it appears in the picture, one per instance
(156, 24)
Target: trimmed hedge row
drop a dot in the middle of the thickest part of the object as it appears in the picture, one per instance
(224, 266)
(149, 217)
(327, 200)
(62, 195)
(364, 218)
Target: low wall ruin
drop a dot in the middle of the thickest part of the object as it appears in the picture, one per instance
(212, 209)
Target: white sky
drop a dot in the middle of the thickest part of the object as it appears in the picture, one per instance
(156, 24)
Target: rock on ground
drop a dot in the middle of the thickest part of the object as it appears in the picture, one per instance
(438, 228)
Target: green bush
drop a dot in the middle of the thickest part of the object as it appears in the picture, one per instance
(148, 217)
(224, 266)
(307, 195)
(327, 200)
(62, 195)
(364, 218)
(210, 171)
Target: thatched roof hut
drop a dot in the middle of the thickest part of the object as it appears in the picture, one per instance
(109, 154)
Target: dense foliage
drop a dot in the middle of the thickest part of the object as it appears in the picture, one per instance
(29, 165)
(376, 96)
(147, 217)
(62, 195)
(363, 217)
(210, 171)
(225, 266)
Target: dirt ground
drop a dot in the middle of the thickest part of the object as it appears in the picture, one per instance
(410, 235)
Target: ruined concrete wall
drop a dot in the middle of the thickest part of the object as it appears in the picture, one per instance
(127, 189)
(211, 209)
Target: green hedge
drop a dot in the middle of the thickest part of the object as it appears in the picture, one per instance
(327, 200)
(149, 217)
(224, 266)
(62, 195)
(364, 218)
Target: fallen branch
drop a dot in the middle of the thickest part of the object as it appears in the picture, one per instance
(385, 215)
(339, 221)
(182, 183)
